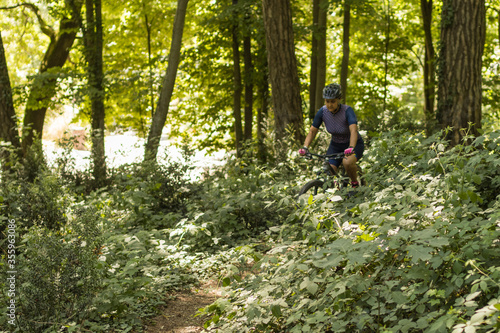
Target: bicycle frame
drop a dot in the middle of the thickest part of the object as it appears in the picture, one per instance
(327, 170)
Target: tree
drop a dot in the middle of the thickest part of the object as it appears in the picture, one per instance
(160, 115)
(285, 85)
(429, 66)
(344, 72)
(93, 50)
(318, 56)
(463, 30)
(238, 89)
(44, 84)
(249, 69)
(8, 125)
(321, 62)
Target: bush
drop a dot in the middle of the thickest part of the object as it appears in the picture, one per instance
(415, 251)
(59, 274)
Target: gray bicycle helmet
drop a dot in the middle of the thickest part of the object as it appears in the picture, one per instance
(332, 91)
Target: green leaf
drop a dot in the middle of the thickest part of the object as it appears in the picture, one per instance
(310, 199)
(276, 310)
(419, 252)
(309, 285)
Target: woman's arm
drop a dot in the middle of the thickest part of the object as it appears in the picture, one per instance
(354, 135)
(310, 136)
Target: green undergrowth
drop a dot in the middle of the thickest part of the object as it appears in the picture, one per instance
(415, 251)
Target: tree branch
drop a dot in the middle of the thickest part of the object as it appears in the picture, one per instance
(46, 29)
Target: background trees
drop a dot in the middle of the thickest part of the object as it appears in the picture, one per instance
(382, 51)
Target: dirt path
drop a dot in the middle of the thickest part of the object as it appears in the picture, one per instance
(177, 315)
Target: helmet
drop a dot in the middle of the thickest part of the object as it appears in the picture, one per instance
(332, 91)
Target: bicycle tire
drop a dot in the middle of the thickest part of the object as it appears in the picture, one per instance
(313, 187)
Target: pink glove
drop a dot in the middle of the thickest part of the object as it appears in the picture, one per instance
(349, 151)
(303, 151)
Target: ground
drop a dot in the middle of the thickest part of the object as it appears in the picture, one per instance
(178, 314)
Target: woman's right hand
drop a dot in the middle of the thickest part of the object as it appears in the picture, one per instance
(303, 151)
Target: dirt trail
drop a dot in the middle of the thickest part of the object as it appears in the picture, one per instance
(178, 314)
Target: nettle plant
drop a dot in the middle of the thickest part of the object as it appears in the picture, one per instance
(416, 251)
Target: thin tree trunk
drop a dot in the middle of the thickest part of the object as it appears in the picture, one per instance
(321, 73)
(238, 128)
(283, 73)
(160, 115)
(463, 31)
(93, 38)
(344, 72)
(8, 123)
(44, 88)
(429, 67)
(386, 56)
(261, 116)
(150, 65)
(247, 54)
(314, 61)
(262, 112)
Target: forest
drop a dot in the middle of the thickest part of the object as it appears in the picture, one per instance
(105, 247)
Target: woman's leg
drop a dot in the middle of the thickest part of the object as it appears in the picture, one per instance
(350, 167)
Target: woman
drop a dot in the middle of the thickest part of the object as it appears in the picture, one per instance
(342, 124)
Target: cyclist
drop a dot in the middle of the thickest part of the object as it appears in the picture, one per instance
(342, 124)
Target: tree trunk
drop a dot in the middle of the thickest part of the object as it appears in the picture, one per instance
(314, 61)
(283, 74)
(93, 45)
(321, 73)
(463, 30)
(262, 112)
(44, 87)
(429, 67)
(386, 54)
(344, 72)
(498, 11)
(247, 54)
(261, 116)
(238, 128)
(8, 123)
(160, 115)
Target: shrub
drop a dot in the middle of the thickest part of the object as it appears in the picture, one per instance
(59, 274)
(415, 251)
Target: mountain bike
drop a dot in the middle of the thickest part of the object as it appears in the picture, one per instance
(327, 177)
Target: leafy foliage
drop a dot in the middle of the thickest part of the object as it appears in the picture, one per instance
(417, 250)
(60, 274)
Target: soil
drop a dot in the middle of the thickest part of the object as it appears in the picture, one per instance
(178, 314)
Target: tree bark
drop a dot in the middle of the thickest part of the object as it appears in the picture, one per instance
(314, 61)
(321, 72)
(344, 72)
(386, 57)
(160, 115)
(93, 46)
(463, 30)
(262, 111)
(238, 90)
(283, 74)
(247, 55)
(8, 123)
(429, 67)
(44, 86)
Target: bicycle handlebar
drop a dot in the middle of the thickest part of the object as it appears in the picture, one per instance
(337, 156)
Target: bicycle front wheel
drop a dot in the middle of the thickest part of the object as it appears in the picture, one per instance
(312, 187)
